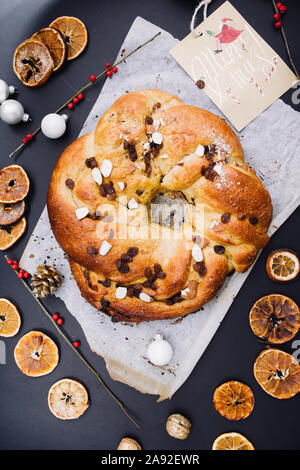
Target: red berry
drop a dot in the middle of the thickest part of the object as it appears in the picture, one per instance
(9, 261)
(282, 9)
(107, 65)
(109, 73)
(76, 344)
(75, 100)
(115, 69)
(92, 78)
(29, 136)
(70, 105)
(24, 140)
(278, 25)
(15, 266)
(55, 316)
(80, 96)
(276, 17)
(60, 321)
(278, 4)
(26, 275)
(21, 271)
(20, 275)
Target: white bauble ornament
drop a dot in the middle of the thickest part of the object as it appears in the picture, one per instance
(159, 351)
(5, 90)
(54, 125)
(12, 112)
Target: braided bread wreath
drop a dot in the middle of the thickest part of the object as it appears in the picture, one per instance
(149, 142)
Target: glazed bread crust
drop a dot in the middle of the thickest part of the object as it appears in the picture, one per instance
(228, 210)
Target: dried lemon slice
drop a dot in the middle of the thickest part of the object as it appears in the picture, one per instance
(278, 373)
(11, 213)
(14, 184)
(68, 399)
(54, 40)
(282, 265)
(275, 318)
(10, 320)
(32, 62)
(74, 33)
(234, 400)
(36, 354)
(232, 441)
(10, 234)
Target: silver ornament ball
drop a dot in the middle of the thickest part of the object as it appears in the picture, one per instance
(159, 351)
(54, 125)
(5, 90)
(12, 112)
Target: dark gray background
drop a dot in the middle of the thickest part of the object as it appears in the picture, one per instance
(25, 421)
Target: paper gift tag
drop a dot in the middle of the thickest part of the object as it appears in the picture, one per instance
(241, 72)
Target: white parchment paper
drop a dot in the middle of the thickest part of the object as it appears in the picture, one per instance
(270, 142)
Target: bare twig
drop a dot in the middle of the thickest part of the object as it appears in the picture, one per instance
(81, 357)
(88, 85)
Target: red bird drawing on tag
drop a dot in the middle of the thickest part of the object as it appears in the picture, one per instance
(227, 35)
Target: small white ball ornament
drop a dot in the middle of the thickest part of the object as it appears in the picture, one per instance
(159, 351)
(54, 125)
(12, 112)
(5, 90)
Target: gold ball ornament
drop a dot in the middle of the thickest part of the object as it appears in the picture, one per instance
(129, 444)
(178, 426)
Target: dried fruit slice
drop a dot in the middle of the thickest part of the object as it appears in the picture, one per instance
(282, 265)
(68, 399)
(10, 234)
(11, 213)
(32, 62)
(36, 354)
(74, 33)
(275, 318)
(278, 373)
(54, 40)
(14, 184)
(234, 400)
(10, 320)
(232, 441)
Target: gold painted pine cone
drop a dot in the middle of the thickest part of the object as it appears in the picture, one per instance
(45, 281)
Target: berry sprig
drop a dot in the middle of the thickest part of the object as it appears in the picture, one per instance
(76, 100)
(281, 9)
(108, 71)
(20, 272)
(73, 345)
(277, 18)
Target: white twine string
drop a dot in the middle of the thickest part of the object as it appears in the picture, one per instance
(203, 3)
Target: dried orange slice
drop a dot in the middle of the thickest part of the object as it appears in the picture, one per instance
(275, 318)
(278, 373)
(282, 265)
(11, 213)
(232, 441)
(54, 40)
(234, 400)
(10, 320)
(36, 354)
(14, 184)
(68, 399)
(32, 62)
(10, 234)
(74, 33)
